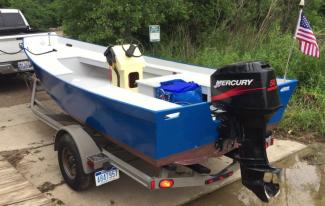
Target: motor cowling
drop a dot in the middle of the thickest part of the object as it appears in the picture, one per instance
(248, 94)
(245, 87)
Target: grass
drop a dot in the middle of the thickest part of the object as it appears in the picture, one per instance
(306, 110)
(305, 114)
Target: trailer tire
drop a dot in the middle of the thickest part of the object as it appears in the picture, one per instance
(71, 165)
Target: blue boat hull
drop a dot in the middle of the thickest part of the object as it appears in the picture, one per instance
(285, 90)
(148, 134)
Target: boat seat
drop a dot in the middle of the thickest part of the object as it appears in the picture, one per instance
(59, 68)
(98, 62)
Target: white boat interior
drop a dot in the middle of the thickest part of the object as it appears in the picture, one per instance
(85, 66)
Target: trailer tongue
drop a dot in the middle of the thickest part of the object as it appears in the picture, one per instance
(248, 96)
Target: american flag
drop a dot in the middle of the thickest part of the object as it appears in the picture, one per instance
(306, 37)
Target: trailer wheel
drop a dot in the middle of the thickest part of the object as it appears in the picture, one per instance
(71, 165)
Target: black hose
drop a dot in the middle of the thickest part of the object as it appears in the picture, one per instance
(10, 53)
(13, 53)
(118, 76)
(53, 50)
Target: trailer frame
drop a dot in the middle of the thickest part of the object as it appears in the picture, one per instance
(95, 157)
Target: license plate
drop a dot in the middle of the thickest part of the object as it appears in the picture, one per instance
(105, 176)
(24, 66)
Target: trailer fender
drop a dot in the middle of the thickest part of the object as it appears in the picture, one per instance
(85, 144)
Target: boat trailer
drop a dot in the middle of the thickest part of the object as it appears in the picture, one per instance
(96, 158)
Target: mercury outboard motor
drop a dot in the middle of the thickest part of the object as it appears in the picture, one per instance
(248, 94)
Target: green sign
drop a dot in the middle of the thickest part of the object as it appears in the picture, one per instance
(154, 33)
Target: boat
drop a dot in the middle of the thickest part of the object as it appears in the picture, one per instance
(113, 90)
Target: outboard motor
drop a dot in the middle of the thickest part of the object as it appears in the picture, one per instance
(248, 94)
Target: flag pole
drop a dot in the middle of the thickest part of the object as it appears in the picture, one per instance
(289, 57)
(301, 5)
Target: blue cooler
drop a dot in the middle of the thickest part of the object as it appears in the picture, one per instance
(180, 92)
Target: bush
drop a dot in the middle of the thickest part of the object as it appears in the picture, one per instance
(39, 13)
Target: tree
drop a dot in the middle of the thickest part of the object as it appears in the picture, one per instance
(4, 3)
(39, 13)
